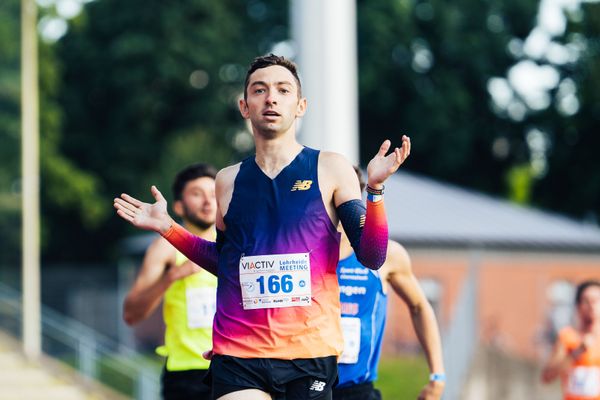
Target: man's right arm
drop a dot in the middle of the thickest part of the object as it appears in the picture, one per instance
(151, 283)
(198, 250)
(156, 218)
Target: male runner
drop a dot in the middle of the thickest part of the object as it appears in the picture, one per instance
(363, 295)
(276, 330)
(188, 291)
(576, 354)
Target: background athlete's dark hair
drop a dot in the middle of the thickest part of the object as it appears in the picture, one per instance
(194, 171)
(268, 61)
(581, 288)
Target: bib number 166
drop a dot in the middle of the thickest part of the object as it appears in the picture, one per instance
(275, 284)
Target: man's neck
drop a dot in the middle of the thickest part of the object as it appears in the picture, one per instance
(274, 154)
(207, 234)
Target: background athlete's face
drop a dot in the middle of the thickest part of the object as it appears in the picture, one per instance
(198, 204)
(273, 103)
(589, 306)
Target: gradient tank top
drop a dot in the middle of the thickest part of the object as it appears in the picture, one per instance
(278, 293)
(363, 321)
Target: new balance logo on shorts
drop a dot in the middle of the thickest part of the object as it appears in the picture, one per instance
(301, 185)
(317, 386)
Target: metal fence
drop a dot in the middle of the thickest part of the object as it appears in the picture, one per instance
(94, 355)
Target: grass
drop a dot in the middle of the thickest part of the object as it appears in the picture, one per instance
(402, 378)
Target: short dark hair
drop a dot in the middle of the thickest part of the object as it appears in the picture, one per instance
(359, 175)
(190, 173)
(269, 61)
(582, 287)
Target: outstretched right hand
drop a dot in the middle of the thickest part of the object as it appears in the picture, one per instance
(142, 215)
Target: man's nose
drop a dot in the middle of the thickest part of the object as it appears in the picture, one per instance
(271, 98)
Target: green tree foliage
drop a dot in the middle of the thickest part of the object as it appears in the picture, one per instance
(64, 185)
(424, 67)
(10, 220)
(149, 87)
(572, 183)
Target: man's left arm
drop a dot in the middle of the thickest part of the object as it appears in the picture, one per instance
(398, 272)
(367, 227)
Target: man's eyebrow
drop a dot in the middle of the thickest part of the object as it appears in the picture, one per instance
(263, 83)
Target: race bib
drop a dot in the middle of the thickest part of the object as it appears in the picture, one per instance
(351, 330)
(584, 382)
(201, 307)
(275, 281)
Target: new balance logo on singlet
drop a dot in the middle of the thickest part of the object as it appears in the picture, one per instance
(301, 185)
(317, 386)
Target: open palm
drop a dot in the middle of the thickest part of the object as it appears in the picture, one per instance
(142, 215)
(382, 167)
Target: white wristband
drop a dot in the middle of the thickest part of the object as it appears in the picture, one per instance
(437, 377)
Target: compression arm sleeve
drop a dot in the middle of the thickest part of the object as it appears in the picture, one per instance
(367, 230)
(200, 251)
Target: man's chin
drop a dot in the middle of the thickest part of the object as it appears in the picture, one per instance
(201, 223)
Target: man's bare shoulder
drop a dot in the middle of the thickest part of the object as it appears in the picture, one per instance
(336, 166)
(227, 175)
(333, 160)
(337, 177)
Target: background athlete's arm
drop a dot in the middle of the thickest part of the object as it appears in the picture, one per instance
(558, 362)
(156, 275)
(367, 227)
(398, 272)
(561, 360)
(156, 218)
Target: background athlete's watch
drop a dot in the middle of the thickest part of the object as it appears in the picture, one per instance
(437, 377)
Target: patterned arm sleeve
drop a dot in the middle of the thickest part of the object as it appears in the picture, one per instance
(200, 251)
(367, 230)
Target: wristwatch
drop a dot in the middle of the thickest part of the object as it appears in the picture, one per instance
(437, 377)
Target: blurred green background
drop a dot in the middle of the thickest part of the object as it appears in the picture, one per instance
(495, 96)
(132, 91)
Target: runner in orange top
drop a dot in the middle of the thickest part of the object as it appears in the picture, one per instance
(576, 354)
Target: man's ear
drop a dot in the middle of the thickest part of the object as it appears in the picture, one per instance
(178, 208)
(243, 106)
(301, 107)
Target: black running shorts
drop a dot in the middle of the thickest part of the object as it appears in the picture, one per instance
(362, 391)
(299, 379)
(185, 385)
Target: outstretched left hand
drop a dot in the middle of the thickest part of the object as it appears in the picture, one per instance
(381, 166)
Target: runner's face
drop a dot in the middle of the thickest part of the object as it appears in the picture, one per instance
(589, 306)
(199, 202)
(273, 104)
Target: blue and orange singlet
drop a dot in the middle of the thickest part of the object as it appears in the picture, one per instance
(363, 303)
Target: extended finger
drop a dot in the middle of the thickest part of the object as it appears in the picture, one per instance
(124, 215)
(125, 211)
(406, 144)
(157, 194)
(404, 152)
(131, 200)
(399, 153)
(126, 205)
(385, 146)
